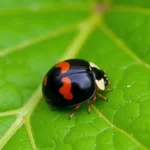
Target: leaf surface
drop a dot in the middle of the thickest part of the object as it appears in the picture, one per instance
(37, 34)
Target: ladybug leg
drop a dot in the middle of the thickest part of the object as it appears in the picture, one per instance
(107, 90)
(101, 96)
(91, 103)
(75, 110)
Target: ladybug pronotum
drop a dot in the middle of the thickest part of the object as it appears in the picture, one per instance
(72, 82)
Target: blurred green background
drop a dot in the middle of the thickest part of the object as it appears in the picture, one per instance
(35, 34)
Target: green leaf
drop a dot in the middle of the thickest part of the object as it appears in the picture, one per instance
(37, 34)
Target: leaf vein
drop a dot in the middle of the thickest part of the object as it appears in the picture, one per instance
(9, 113)
(33, 41)
(138, 144)
(123, 46)
(10, 132)
(47, 8)
(129, 8)
(30, 134)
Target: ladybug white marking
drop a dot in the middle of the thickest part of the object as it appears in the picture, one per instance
(93, 65)
(100, 84)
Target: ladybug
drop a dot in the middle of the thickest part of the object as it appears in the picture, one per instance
(71, 82)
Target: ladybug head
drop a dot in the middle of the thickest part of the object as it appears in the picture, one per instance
(100, 77)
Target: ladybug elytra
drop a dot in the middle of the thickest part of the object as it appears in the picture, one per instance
(72, 82)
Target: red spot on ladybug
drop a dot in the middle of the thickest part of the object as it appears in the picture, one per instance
(45, 80)
(64, 66)
(65, 90)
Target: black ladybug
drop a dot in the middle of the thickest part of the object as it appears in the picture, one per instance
(72, 82)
